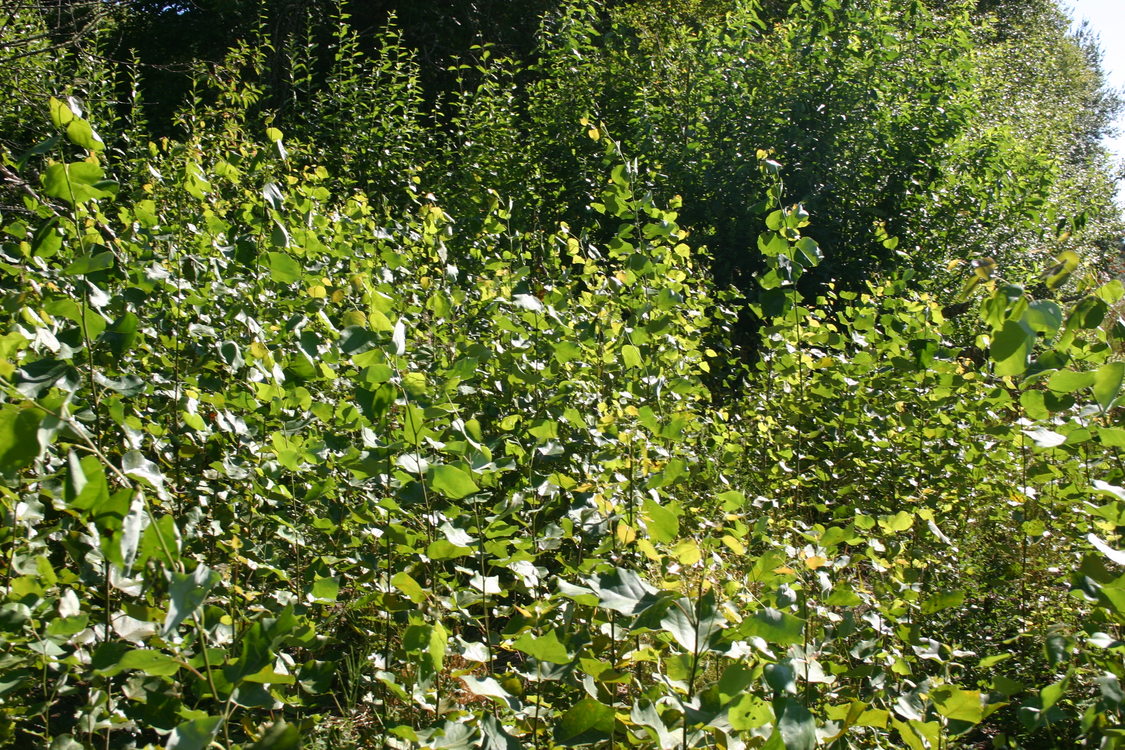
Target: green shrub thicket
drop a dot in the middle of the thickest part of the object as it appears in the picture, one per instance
(386, 454)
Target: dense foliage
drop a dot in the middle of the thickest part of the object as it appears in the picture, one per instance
(713, 374)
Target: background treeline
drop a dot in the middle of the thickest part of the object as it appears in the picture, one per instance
(964, 130)
(492, 375)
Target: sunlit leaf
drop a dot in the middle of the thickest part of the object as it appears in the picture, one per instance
(452, 482)
(546, 647)
(1107, 383)
(283, 267)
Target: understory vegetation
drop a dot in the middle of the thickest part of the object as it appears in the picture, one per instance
(716, 374)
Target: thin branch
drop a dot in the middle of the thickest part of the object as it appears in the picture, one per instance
(14, 179)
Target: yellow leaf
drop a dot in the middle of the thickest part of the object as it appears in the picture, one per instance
(736, 546)
(645, 546)
(354, 318)
(815, 562)
(626, 534)
(687, 552)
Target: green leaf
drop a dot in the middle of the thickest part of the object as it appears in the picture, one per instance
(65, 742)
(439, 641)
(782, 677)
(1043, 316)
(187, 592)
(959, 705)
(19, 438)
(279, 237)
(145, 212)
(1107, 383)
(90, 264)
(280, 736)
(86, 488)
(64, 627)
(430, 640)
(137, 466)
(1111, 292)
(693, 625)
(1111, 690)
(1113, 437)
(325, 590)
(122, 335)
(81, 134)
(547, 647)
(149, 661)
(1087, 314)
(1011, 348)
(405, 583)
(195, 734)
(1068, 381)
(900, 521)
(645, 714)
(283, 268)
(916, 734)
(796, 724)
(315, 677)
(631, 356)
(195, 182)
(1066, 262)
(452, 482)
(808, 252)
(356, 340)
(1051, 694)
(61, 114)
(775, 626)
(749, 712)
(13, 615)
(991, 661)
(623, 591)
(566, 351)
(75, 183)
(150, 546)
(662, 524)
(494, 737)
(48, 239)
(732, 500)
(843, 596)
(734, 680)
(544, 429)
(587, 721)
(453, 736)
(944, 600)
